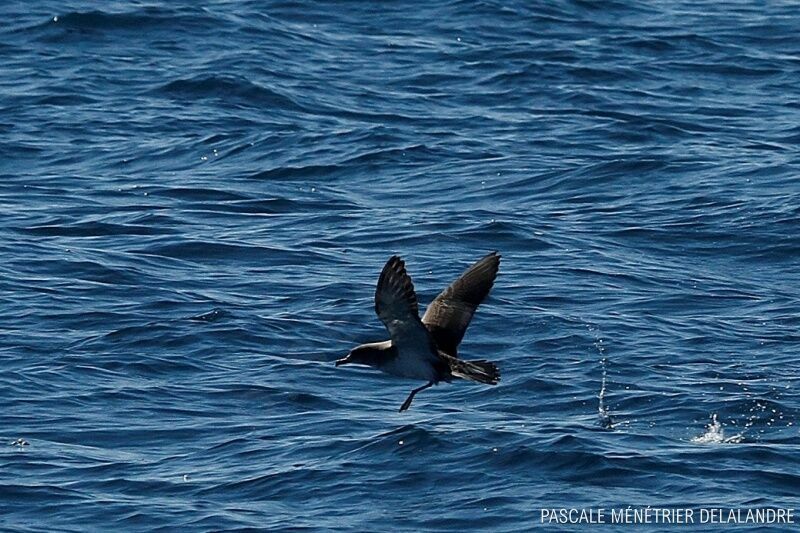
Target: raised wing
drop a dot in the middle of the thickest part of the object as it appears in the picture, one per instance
(448, 316)
(397, 307)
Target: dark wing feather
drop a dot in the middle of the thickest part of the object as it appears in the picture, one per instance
(448, 316)
(396, 305)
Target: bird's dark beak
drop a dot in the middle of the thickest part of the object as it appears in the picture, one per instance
(343, 361)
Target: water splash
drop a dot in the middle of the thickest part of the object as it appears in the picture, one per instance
(603, 412)
(602, 408)
(715, 434)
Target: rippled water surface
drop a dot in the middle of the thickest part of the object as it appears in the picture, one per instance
(196, 201)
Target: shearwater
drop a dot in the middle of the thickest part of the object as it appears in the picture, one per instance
(427, 349)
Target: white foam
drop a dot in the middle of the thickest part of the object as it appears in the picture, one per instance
(715, 434)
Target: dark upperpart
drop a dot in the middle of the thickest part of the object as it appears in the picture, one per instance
(450, 313)
(372, 354)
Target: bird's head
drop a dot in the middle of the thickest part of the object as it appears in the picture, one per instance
(365, 354)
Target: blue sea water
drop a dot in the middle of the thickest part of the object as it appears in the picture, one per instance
(197, 198)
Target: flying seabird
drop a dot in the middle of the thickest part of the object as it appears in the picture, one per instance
(427, 348)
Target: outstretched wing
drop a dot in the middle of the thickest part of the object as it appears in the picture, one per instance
(448, 316)
(397, 307)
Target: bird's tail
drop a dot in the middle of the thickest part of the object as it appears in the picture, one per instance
(482, 371)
